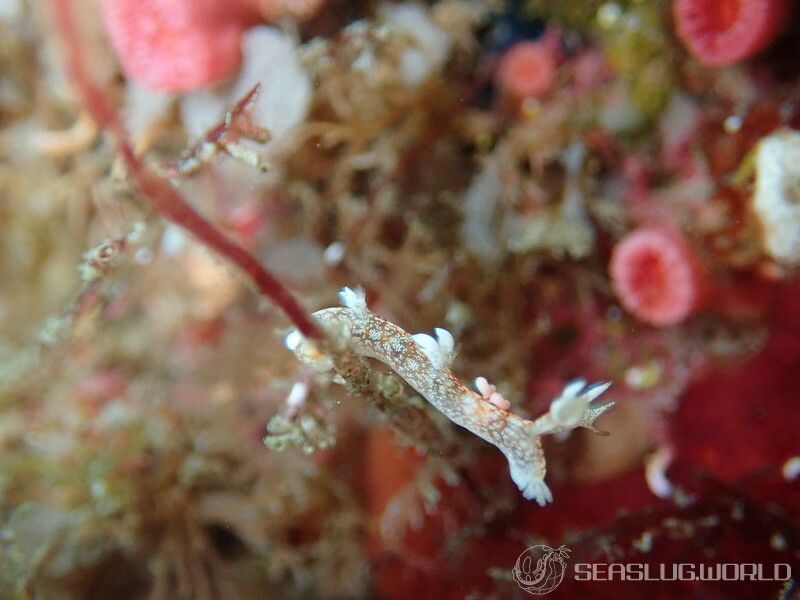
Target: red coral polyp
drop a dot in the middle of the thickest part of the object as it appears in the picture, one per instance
(656, 275)
(722, 32)
(175, 46)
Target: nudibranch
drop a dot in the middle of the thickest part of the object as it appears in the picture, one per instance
(424, 363)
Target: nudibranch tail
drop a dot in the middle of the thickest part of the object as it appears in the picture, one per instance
(424, 363)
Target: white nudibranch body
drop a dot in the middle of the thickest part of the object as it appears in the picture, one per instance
(424, 363)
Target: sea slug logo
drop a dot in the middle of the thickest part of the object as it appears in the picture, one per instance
(540, 569)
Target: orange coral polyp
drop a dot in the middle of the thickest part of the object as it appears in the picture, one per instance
(528, 69)
(656, 276)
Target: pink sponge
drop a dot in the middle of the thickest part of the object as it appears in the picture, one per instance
(656, 275)
(175, 45)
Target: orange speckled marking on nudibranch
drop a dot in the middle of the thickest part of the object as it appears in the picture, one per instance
(424, 363)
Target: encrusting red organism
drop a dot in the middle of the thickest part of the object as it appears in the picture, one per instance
(656, 275)
(722, 32)
(176, 45)
(527, 69)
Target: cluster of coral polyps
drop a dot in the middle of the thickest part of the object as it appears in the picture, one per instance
(562, 189)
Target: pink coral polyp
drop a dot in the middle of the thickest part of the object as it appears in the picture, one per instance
(173, 45)
(656, 275)
(722, 32)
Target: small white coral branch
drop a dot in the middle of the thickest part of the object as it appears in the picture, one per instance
(424, 363)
